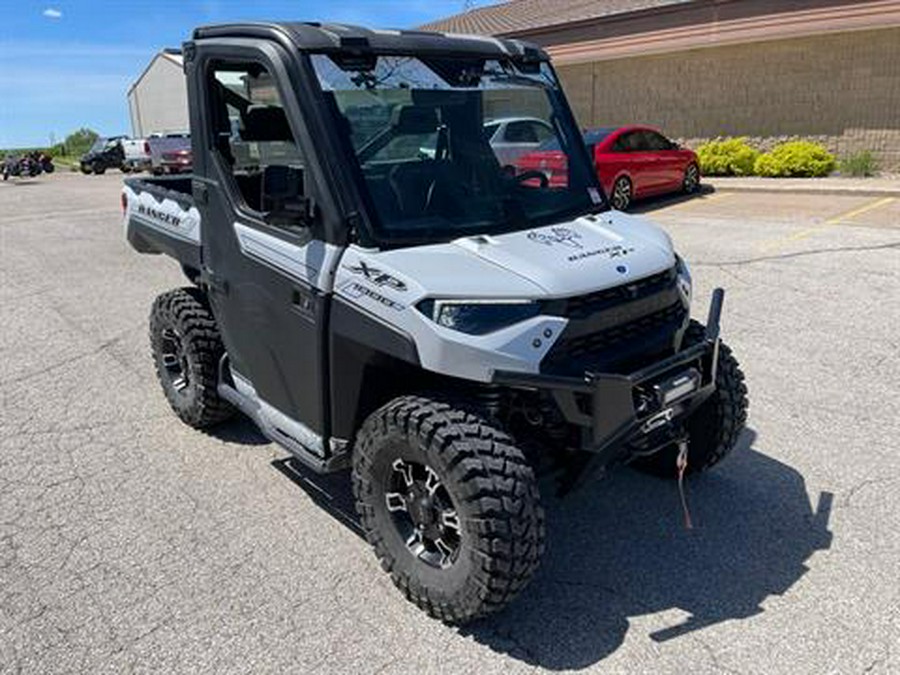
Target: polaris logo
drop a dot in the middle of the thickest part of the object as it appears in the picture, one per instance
(557, 235)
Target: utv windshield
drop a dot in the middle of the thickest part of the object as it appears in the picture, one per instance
(440, 144)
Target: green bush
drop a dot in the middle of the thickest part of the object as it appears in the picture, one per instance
(795, 158)
(860, 164)
(731, 157)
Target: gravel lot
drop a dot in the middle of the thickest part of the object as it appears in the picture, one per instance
(131, 542)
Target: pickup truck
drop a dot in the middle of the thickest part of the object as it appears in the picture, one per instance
(441, 324)
(169, 153)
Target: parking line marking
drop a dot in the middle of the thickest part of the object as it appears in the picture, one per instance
(884, 201)
(834, 220)
(700, 199)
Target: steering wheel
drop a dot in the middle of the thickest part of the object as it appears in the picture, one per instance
(528, 175)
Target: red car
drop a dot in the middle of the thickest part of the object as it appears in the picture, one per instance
(632, 162)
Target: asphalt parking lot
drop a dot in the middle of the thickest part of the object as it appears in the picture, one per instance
(131, 542)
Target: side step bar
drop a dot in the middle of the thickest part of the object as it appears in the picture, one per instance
(252, 407)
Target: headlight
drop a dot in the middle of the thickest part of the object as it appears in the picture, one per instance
(684, 279)
(478, 317)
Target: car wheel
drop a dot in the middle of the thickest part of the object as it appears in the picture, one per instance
(186, 348)
(450, 506)
(621, 194)
(691, 181)
(98, 168)
(86, 169)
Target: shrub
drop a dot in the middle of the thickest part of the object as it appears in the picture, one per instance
(795, 158)
(860, 164)
(731, 157)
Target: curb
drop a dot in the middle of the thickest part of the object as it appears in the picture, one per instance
(874, 191)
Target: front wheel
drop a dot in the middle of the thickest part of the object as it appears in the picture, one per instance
(691, 181)
(98, 168)
(450, 506)
(186, 348)
(715, 427)
(621, 194)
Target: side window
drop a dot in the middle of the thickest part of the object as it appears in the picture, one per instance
(521, 132)
(625, 142)
(254, 140)
(490, 130)
(657, 141)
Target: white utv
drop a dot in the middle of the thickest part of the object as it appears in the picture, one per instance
(440, 322)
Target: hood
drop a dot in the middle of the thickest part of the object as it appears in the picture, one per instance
(581, 256)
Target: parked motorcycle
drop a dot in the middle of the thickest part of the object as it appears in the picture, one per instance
(28, 165)
(11, 167)
(45, 161)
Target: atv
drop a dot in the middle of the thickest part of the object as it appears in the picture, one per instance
(375, 288)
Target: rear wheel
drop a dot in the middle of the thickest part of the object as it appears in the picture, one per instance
(621, 193)
(186, 348)
(715, 427)
(86, 169)
(450, 506)
(691, 182)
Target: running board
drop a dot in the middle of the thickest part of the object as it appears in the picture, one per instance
(253, 408)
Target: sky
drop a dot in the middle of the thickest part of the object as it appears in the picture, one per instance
(67, 64)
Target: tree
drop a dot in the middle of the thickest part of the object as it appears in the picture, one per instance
(78, 142)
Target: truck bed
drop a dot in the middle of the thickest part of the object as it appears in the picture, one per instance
(160, 217)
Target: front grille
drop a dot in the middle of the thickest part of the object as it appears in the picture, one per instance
(595, 343)
(584, 306)
(617, 328)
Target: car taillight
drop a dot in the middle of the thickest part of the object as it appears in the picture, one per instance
(124, 203)
(146, 148)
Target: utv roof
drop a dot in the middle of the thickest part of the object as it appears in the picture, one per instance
(334, 37)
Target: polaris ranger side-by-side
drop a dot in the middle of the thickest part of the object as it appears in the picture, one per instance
(374, 288)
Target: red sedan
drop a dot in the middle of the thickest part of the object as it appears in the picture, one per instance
(632, 162)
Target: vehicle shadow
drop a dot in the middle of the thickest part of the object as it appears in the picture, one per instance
(619, 549)
(240, 430)
(651, 204)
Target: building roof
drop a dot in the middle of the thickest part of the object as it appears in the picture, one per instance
(521, 16)
(169, 54)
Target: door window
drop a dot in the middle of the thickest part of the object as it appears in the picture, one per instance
(630, 142)
(526, 131)
(655, 141)
(253, 139)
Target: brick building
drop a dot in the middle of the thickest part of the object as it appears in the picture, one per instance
(767, 69)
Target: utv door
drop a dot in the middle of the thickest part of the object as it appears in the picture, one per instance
(263, 254)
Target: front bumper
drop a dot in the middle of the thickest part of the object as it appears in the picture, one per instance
(622, 414)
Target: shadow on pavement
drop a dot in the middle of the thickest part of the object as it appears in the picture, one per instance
(238, 430)
(619, 549)
(651, 204)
